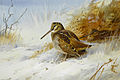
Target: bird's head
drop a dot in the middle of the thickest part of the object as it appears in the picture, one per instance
(56, 26)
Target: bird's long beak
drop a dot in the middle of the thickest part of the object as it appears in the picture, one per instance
(45, 34)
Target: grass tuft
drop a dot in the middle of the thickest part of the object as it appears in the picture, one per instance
(9, 38)
(45, 48)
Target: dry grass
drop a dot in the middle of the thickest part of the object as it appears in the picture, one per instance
(93, 77)
(9, 38)
(113, 65)
(45, 48)
(105, 19)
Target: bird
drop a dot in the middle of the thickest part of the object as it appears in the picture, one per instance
(66, 42)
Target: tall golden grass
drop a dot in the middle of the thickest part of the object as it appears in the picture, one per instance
(105, 19)
(9, 38)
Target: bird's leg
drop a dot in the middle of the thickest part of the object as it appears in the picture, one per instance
(65, 57)
(78, 54)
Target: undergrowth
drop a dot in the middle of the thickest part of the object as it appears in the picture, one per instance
(9, 38)
(100, 19)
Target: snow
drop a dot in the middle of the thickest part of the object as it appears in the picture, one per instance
(16, 64)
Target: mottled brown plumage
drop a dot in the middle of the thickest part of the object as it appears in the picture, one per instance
(66, 41)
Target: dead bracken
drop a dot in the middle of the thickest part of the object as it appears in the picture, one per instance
(105, 19)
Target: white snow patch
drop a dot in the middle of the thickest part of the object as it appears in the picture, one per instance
(16, 65)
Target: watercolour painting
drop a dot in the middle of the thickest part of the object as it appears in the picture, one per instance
(59, 39)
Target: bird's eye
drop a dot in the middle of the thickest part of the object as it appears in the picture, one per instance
(54, 26)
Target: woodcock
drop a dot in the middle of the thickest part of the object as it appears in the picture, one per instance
(66, 41)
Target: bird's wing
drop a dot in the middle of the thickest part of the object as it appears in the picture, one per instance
(78, 44)
(72, 40)
(72, 34)
(69, 34)
(64, 37)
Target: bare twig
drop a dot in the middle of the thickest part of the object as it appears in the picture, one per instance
(7, 26)
(10, 7)
(100, 74)
(9, 14)
(92, 78)
(5, 20)
(18, 19)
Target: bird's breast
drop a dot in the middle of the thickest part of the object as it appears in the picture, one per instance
(55, 40)
(58, 43)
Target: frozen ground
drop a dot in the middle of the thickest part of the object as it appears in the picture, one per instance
(15, 63)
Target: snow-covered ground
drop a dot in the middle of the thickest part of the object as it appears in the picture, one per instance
(16, 64)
